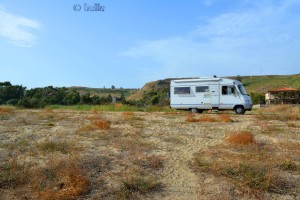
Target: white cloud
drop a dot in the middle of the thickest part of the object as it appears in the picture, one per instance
(240, 42)
(18, 29)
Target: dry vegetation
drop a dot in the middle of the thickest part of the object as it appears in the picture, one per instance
(209, 118)
(52, 154)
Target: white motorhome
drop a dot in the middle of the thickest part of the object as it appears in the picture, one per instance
(214, 93)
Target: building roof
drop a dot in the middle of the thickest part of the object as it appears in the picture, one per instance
(283, 90)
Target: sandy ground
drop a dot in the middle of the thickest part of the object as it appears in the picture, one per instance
(164, 134)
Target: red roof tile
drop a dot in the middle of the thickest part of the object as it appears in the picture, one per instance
(283, 90)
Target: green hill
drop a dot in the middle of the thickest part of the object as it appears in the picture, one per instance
(253, 84)
(261, 84)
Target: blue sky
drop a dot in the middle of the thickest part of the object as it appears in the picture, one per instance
(133, 42)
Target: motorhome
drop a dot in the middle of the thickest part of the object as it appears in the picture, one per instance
(211, 93)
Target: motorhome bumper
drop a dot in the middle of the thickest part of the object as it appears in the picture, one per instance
(248, 106)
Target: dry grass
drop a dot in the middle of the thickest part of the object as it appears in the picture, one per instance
(279, 109)
(13, 173)
(191, 118)
(240, 138)
(6, 112)
(279, 112)
(118, 105)
(126, 162)
(63, 179)
(225, 118)
(268, 128)
(209, 118)
(132, 119)
(279, 116)
(6, 109)
(96, 124)
(152, 162)
(127, 115)
(101, 124)
(135, 180)
(132, 144)
(250, 165)
(49, 146)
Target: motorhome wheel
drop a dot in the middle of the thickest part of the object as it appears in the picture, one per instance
(239, 110)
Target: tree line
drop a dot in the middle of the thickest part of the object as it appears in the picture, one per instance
(18, 95)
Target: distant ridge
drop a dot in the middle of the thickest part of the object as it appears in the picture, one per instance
(257, 84)
(77, 87)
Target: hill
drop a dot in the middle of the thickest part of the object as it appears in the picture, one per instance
(253, 84)
(261, 84)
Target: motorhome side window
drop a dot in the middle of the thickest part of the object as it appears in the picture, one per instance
(228, 90)
(202, 89)
(182, 90)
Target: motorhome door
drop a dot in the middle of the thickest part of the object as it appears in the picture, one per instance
(215, 94)
(229, 97)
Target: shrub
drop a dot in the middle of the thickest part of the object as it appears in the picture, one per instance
(240, 138)
(96, 124)
(101, 124)
(225, 118)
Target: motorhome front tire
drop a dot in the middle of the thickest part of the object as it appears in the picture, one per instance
(194, 110)
(240, 110)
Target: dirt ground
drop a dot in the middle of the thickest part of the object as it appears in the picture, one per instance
(113, 150)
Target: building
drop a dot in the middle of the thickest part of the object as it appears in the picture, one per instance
(282, 96)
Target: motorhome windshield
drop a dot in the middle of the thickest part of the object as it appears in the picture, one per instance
(242, 90)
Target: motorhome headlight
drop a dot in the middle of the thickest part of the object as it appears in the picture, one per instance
(248, 101)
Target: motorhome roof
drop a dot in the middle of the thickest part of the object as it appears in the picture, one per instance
(197, 80)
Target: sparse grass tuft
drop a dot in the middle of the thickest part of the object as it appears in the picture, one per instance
(288, 165)
(252, 175)
(153, 162)
(135, 180)
(13, 174)
(240, 138)
(225, 118)
(63, 179)
(292, 125)
(96, 124)
(191, 118)
(206, 118)
(48, 146)
(209, 118)
(127, 115)
(101, 124)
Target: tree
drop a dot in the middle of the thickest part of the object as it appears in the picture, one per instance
(122, 98)
(113, 87)
(86, 98)
(6, 83)
(72, 98)
(9, 92)
(257, 98)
